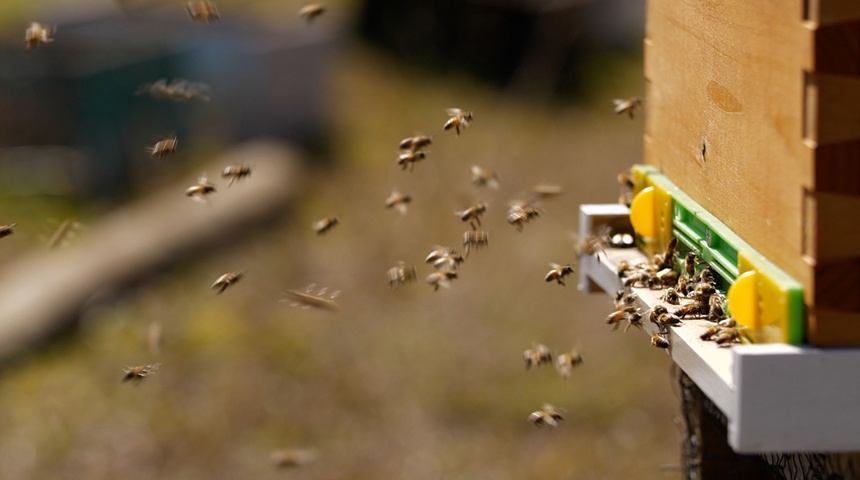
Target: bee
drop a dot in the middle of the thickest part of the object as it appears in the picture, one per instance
(139, 372)
(445, 258)
(398, 201)
(666, 320)
(236, 172)
(716, 312)
(565, 362)
(226, 280)
(622, 268)
(623, 299)
(519, 215)
(656, 312)
(293, 457)
(547, 415)
(727, 335)
(484, 178)
(558, 273)
(162, 148)
(6, 230)
(311, 11)
(307, 298)
(408, 160)
(632, 315)
(537, 355)
(592, 245)
(473, 214)
(475, 239)
(694, 309)
(199, 190)
(625, 182)
(402, 274)
(627, 105)
(638, 278)
(703, 292)
(458, 118)
(667, 277)
(659, 341)
(543, 191)
(441, 278)
(416, 143)
(690, 262)
(671, 297)
(667, 258)
(202, 10)
(38, 33)
(177, 90)
(325, 224)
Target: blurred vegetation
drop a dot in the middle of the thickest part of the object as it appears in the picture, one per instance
(405, 384)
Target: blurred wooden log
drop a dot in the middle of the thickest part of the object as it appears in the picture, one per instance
(42, 292)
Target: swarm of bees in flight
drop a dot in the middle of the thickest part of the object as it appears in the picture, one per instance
(446, 261)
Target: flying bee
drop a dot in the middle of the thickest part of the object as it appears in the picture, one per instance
(659, 341)
(592, 245)
(199, 190)
(441, 278)
(307, 298)
(558, 273)
(416, 143)
(139, 372)
(547, 415)
(519, 215)
(632, 315)
(226, 280)
(623, 299)
(177, 90)
(202, 10)
(445, 258)
(626, 185)
(484, 178)
(473, 214)
(236, 172)
(458, 118)
(543, 191)
(408, 160)
(293, 457)
(671, 297)
(323, 225)
(627, 105)
(162, 148)
(38, 33)
(311, 11)
(402, 274)
(475, 239)
(537, 355)
(398, 201)
(565, 362)
(6, 230)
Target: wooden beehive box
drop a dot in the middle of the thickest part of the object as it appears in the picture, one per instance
(753, 109)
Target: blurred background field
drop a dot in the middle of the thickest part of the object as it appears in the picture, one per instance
(406, 383)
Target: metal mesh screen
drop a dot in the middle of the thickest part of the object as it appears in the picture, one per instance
(706, 454)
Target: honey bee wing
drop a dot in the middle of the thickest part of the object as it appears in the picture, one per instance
(453, 112)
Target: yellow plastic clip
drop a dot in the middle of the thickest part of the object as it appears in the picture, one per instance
(643, 214)
(743, 300)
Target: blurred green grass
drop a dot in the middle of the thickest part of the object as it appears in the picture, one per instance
(398, 384)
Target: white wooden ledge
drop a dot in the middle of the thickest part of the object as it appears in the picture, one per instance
(776, 397)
